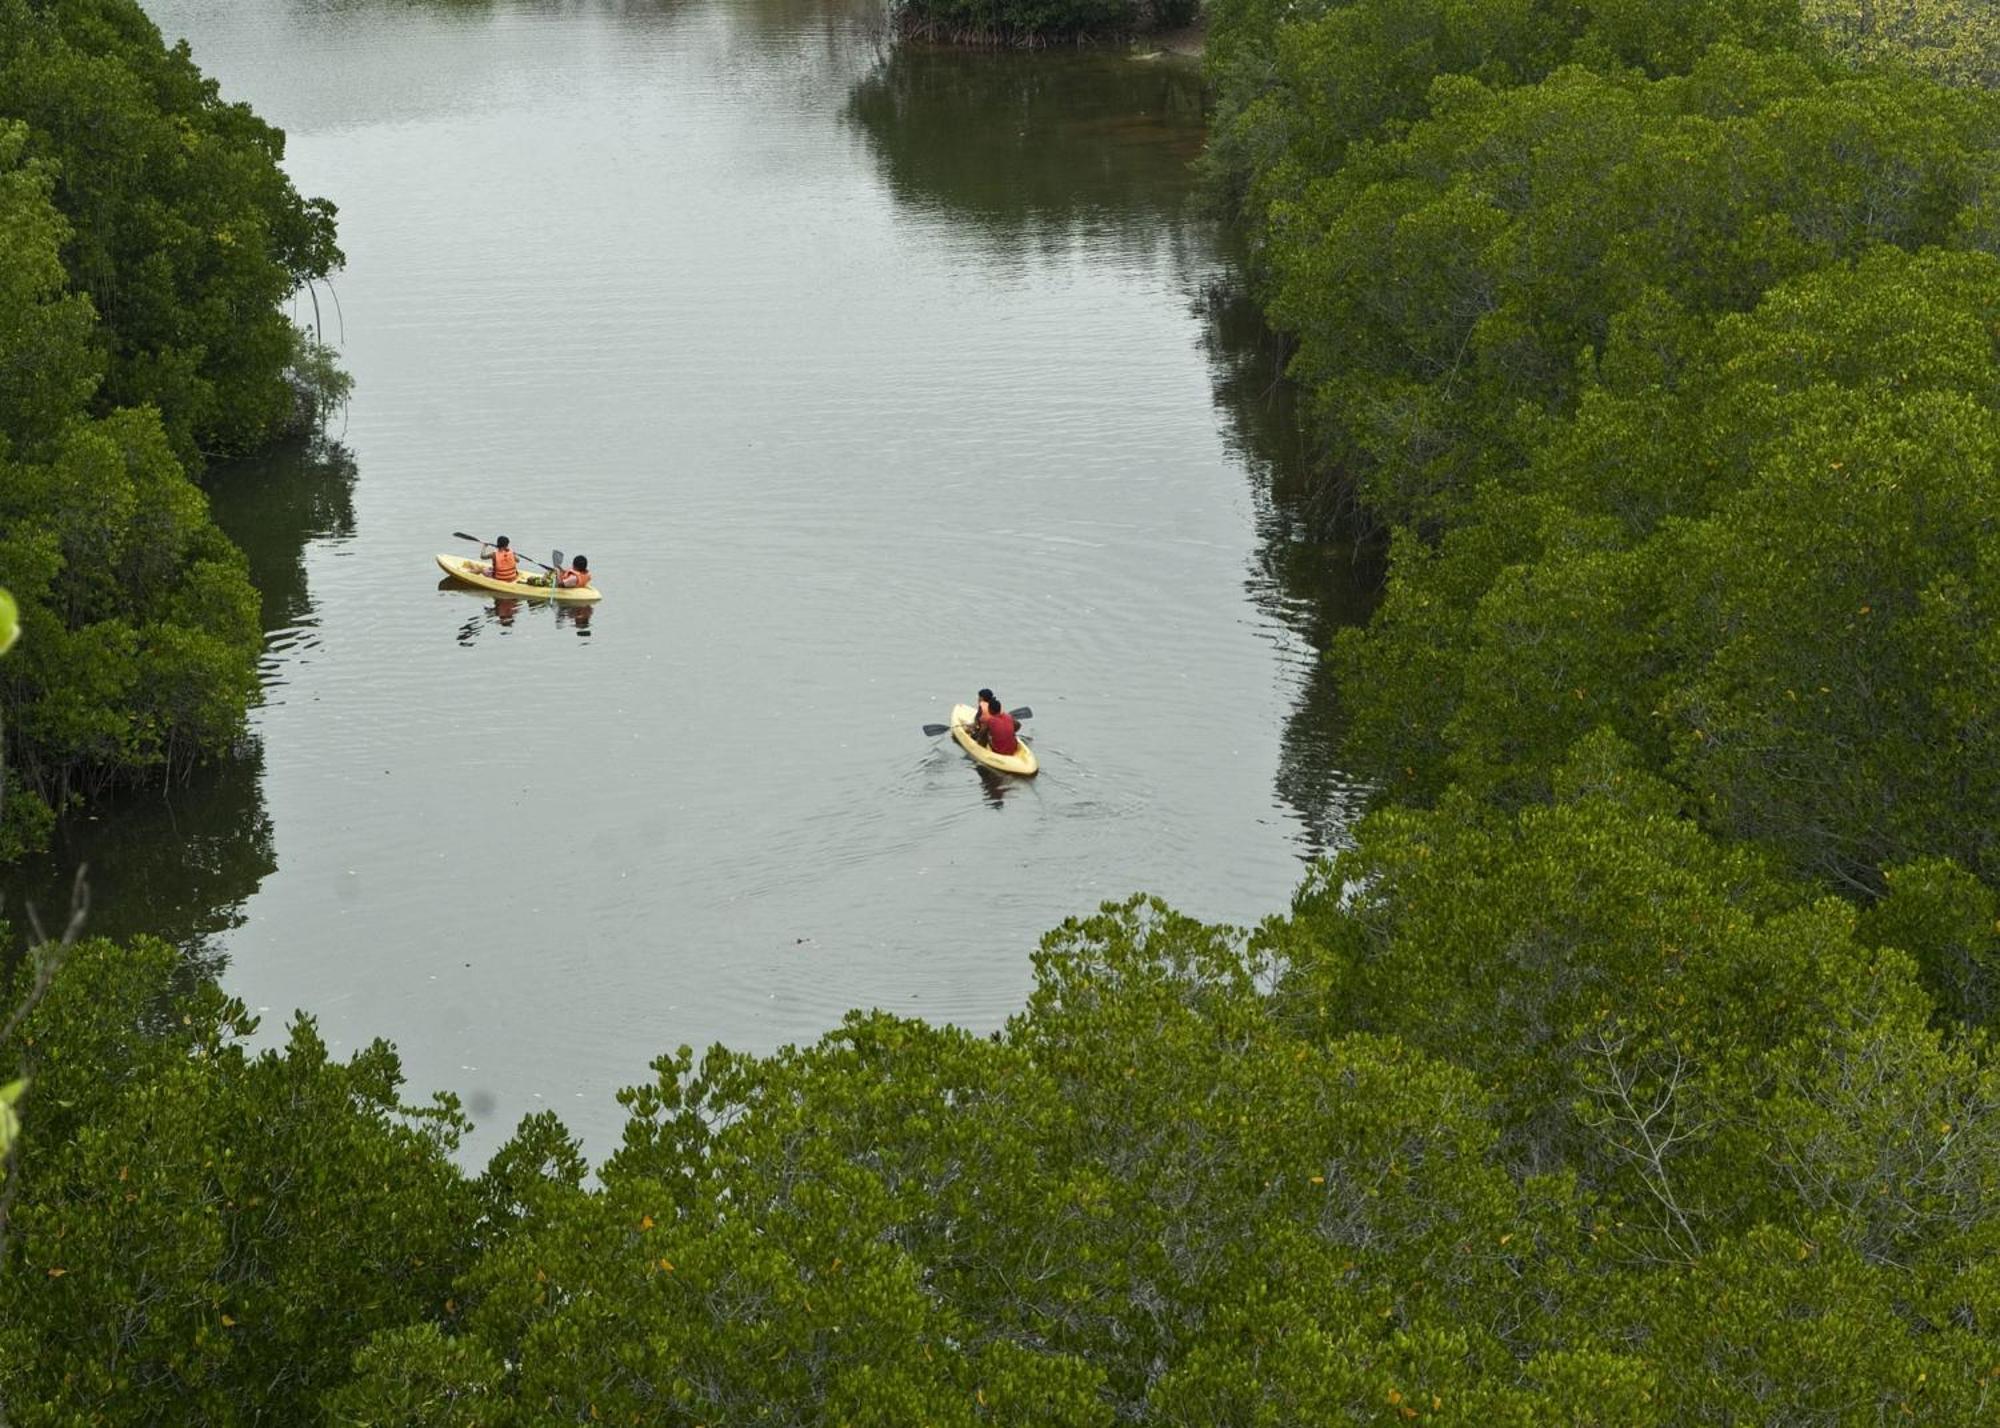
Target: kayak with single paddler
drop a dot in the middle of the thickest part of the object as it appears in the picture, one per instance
(1022, 763)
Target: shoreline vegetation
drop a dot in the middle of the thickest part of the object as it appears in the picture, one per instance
(1632, 1066)
(149, 239)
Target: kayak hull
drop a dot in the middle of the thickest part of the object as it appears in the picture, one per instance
(1023, 763)
(473, 572)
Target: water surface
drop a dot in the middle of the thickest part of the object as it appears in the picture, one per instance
(864, 378)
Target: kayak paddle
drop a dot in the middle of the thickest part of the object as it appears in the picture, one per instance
(461, 535)
(1024, 712)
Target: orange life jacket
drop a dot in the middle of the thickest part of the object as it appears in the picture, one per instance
(504, 567)
(576, 579)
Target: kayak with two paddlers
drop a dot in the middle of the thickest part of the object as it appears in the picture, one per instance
(498, 568)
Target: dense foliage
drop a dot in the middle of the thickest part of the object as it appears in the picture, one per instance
(10, 1091)
(1765, 552)
(1668, 360)
(183, 232)
(1707, 1163)
(199, 1234)
(1444, 285)
(1670, 368)
(147, 237)
(1957, 41)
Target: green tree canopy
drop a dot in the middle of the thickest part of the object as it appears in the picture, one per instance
(183, 230)
(1955, 41)
(199, 1233)
(1477, 1142)
(1763, 553)
(147, 236)
(1297, 84)
(1444, 283)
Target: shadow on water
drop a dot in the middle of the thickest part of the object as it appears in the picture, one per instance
(273, 505)
(177, 863)
(1032, 149)
(995, 785)
(180, 862)
(1310, 576)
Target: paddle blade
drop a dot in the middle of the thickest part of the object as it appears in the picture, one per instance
(936, 729)
(555, 559)
(1024, 712)
(461, 535)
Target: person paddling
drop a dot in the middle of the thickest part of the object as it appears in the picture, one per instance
(994, 726)
(504, 566)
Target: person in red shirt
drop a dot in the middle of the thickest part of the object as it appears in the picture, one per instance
(504, 566)
(994, 726)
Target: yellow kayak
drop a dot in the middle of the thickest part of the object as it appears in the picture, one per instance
(473, 572)
(1022, 763)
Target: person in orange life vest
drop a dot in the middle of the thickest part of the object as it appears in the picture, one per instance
(503, 566)
(577, 576)
(994, 726)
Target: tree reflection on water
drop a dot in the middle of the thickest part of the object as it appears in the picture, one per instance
(1035, 150)
(1312, 574)
(180, 861)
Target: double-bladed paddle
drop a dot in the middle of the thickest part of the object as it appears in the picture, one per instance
(1024, 712)
(477, 540)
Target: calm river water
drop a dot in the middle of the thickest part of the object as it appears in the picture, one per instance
(864, 378)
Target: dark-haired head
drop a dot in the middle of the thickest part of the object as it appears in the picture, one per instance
(499, 542)
(582, 562)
